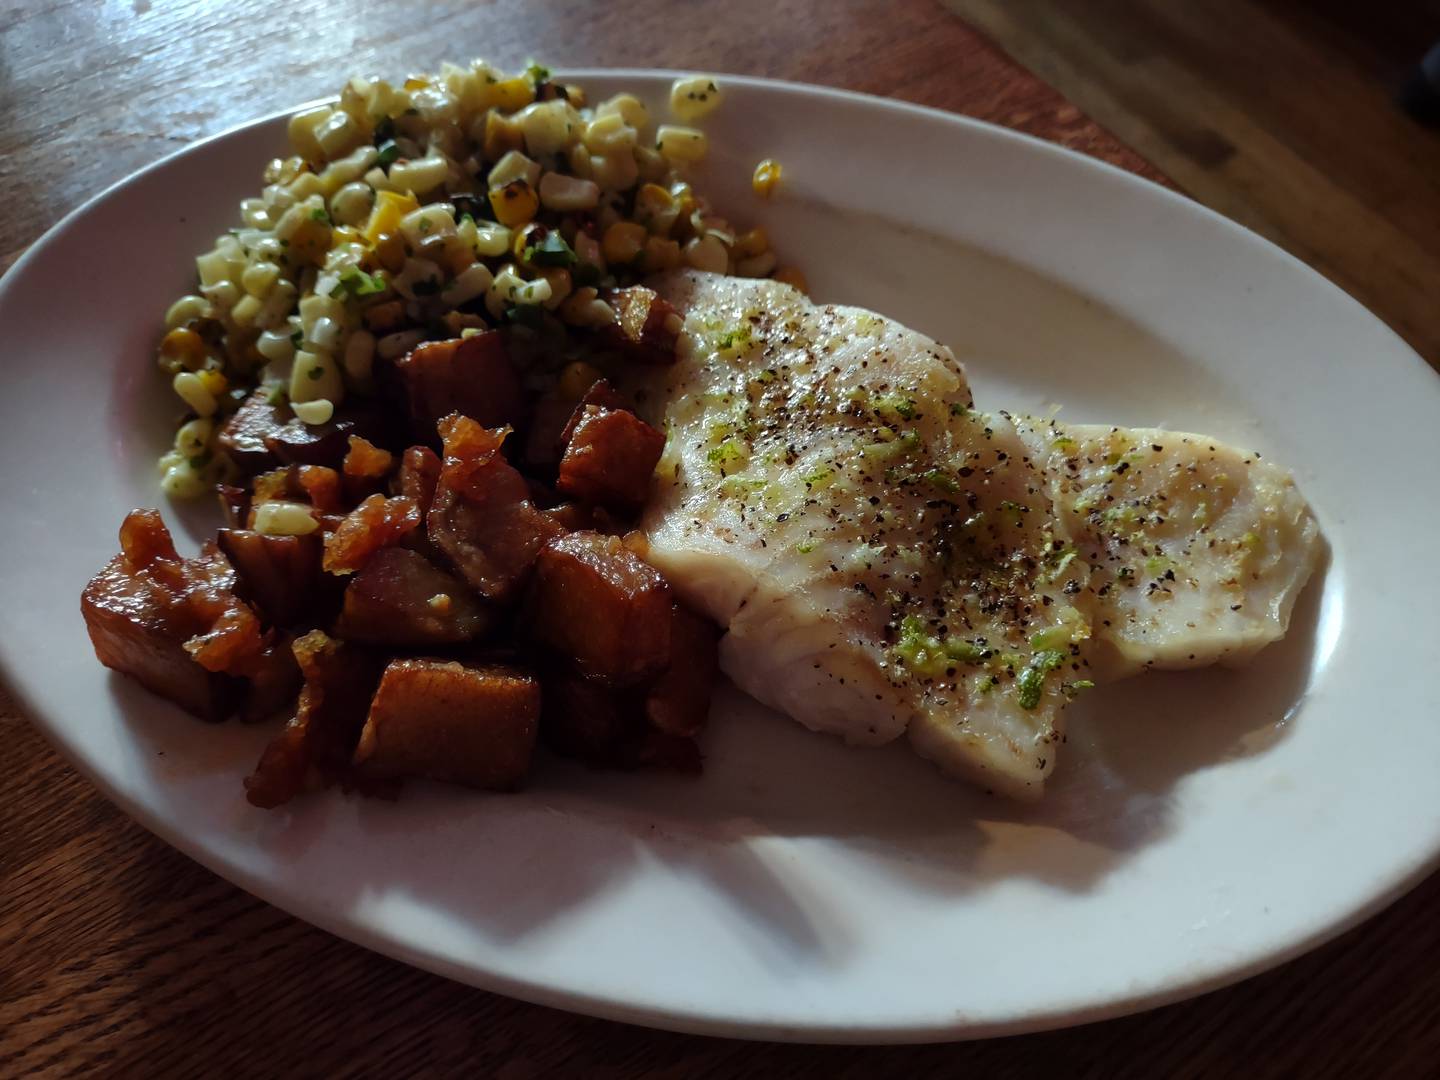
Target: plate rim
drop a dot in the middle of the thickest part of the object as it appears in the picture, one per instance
(609, 1007)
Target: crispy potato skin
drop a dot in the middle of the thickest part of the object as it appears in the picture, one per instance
(444, 720)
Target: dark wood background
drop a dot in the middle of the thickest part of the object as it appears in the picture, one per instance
(121, 957)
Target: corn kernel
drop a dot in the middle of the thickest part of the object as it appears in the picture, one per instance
(278, 517)
(694, 98)
(661, 253)
(628, 107)
(792, 275)
(193, 392)
(753, 242)
(314, 412)
(655, 208)
(183, 347)
(623, 242)
(680, 145)
(193, 437)
(302, 127)
(310, 241)
(258, 277)
(390, 207)
(390, 251)
(515, 203)
(501, 136)
(512, 94)
(184, 310)
(213, 381)
(564, 194)
(707, 253)
(767, 178)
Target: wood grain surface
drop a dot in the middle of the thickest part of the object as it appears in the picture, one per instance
(120, 957)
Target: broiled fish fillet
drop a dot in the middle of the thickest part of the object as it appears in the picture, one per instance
(888, 561)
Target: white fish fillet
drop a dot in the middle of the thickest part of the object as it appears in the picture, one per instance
(885, 559)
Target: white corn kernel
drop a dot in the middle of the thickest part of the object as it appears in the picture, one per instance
(277, 517)
(213, 267)
(680, 145)
(186, 309)
(304, 185)
(258, 277)
(756, 266)
(314, 412)
(194, 436)
(548, 126)
(325, 334)
(695, 97)
(418, 278)
(337, 134)
(183, 482)
(435, 220)
(255, 214)
(193, 392)
(628, 107)
(608, 134)
(534, 292)
(514, 166)
(707, 253)
(245, 309)
(302, 130)
(350, 205)
(615, 172)
(275, 347)
(278, 303)
(471, 283)
(491, 239)
(314, 375)
(419, 177)
(566, 193)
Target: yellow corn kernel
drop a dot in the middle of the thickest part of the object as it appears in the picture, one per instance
(512, 94)
(695, 97)
(310, 241)
(390, 207)
(661, 253)
(183, 347)
(622, 242)
(680, 145)
(194, 393)
(767, 178)
(301, 130)
(514, 204)
(213, 381)
(655, 208)
(522, 239)
(792, 275)
(577, 377)
(501, 136)
(754, 242)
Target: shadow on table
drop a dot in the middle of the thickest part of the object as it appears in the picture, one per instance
(739, 843)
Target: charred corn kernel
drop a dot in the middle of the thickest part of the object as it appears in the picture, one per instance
(359, 355)
(661, 253)
(753, 242)
(565, 194)
(695, 97)
(515, 203)
(707, 253)
(192, 390)
(623, 242)
(390, 207)
(766, 178)
(183, 348)
(184, 310)
(680, 145)
(512, 94)
(501, 136)
(390, 252)
(279, 517)
(514, 166)
(421, 176)
(213, 381)
(655, 208)
(791, 275)
(301, 130)
(577, 377)
(628, 107)
(314, 412)
(194, 436)
(491, 239)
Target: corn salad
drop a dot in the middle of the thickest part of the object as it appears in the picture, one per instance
(446, 205)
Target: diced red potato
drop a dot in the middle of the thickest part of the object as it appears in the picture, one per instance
(446, 721)
(280, 575)
(316, 746)
(610, 458)
(601, 395)
(376, 523)
(472, 376)
(173, 624)
(646, 328)
(596, 604)
(243, 435)
(482, 517)
(299, 443)
(678, 702)
(402, 599)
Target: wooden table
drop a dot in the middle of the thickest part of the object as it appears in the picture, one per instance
(119, 955)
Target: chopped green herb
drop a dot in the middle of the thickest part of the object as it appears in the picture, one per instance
(986, 683)
(956, 409)
(389, 153)
(1030, 684)
(733, 339)
(537, 73)
(805, 549)
(359, 283)
(727, 457)
(1064, 442)
(941, 479)
(319, 214)
(552, 250)
(467, 216)
(297, 338)
(1052, 637)
(425, 224)
(893, 407)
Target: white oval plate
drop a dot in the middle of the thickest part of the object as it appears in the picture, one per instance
(1201, 827)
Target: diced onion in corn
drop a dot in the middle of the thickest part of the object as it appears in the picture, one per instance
(695, 97)
(192, 390)
(278, 517)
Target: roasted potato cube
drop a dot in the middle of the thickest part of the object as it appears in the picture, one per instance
(472, 376)
(586, 719)
(601, 395)
(678, 702)
(401, 598)
(280, 575)
(646, 327)
(446, 721)
(610, 459)
(598, 605)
